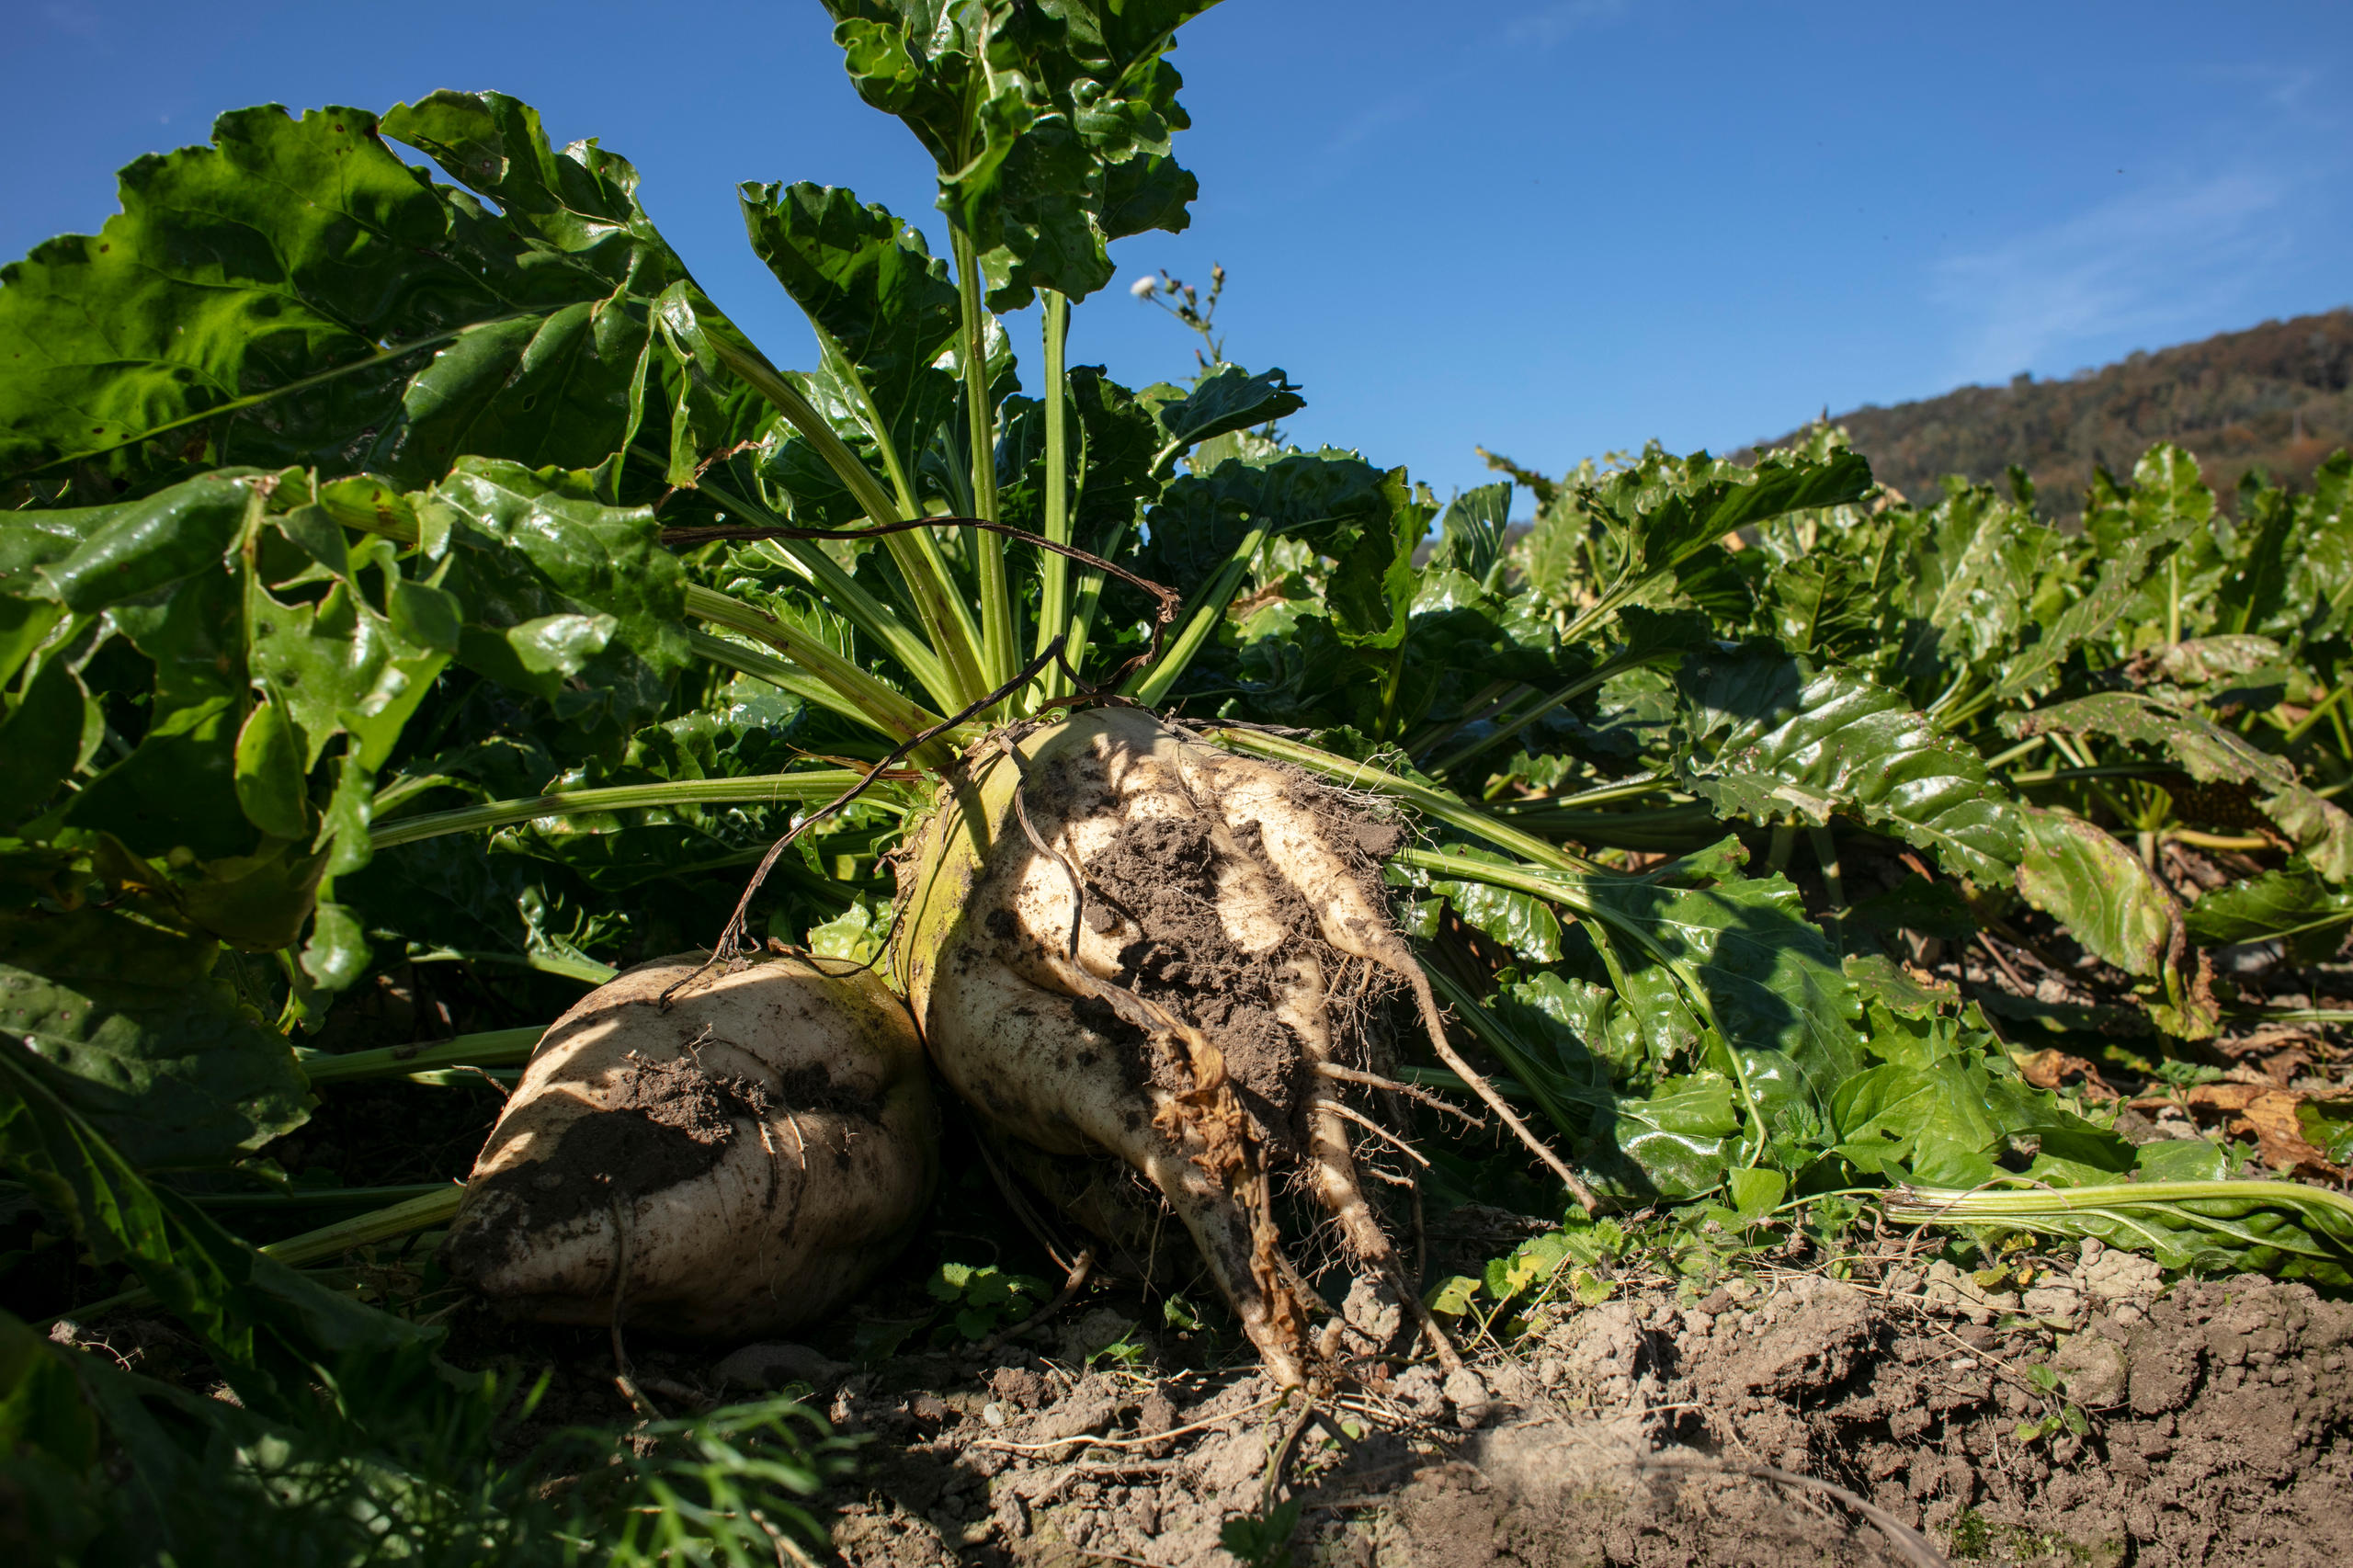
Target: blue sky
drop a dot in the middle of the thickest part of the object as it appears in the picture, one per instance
(1549, 227)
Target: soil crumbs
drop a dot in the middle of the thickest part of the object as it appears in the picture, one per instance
(2213, 1425)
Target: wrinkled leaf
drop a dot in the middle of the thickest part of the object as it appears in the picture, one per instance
(1792, 744)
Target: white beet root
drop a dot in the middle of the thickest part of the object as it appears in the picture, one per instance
(1162, 950)
(738, 1162)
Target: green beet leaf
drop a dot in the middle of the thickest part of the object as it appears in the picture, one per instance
(2210, 754)
(1049, 124)
(147, 1043)
(1738, 966)
(2100, 890)
(885, 310)
(2293, 903)
(1228, 398)
(1784, 742)
(297, 295)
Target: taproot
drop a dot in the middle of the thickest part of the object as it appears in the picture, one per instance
(1119, 938)
(705, 1150)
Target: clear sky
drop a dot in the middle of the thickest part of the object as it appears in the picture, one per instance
(1549, 227)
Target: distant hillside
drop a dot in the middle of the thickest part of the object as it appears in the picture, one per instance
(2278, 397)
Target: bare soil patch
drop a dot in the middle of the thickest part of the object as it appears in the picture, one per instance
(2216, 1430)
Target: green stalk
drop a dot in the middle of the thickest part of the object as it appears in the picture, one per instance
(1430, 801)
(434, 1207)
(1519, 722)
(1385, 729)
(1053, 575)
(1148, 686)
(1825, 854)
(869, 414)
(1621, 790)
(941, 610)
(997, 658)
(2032, 743)
(844, 594)
(2295, 1015)
(2302, 726)
(1439, 1078)
(318, 1198)
(493, 1047)
(2059, 1210)
(1919, 1204)
(1088, 597)
(763, 789)
(886, 709)
(776, 671)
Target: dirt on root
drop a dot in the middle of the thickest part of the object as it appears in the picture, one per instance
(669, 1122)
(2216, 1429)
(1163, 874)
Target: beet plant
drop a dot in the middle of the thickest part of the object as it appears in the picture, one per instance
(417, 590)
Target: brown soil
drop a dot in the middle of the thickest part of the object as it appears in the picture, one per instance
(2218, 1430)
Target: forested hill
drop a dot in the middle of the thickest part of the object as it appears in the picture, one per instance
(2277, 397)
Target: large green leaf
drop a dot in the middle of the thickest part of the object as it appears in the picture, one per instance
(1944, 1101)
(1373, 582)
(1978, 574)
(2099, 891)
(1737, 967)
(40, 739)
(296, 294)
(1777, 741)
(2293, 903)
(1682, 1137)
(2169, 506)
(1472, 530)
(564, 598)
(884, 308)
(270, 1329)
(1330, 500)
(1050, 123)
(158, 1053)
(2211, 755)
(1522, 922)
(1228, 399)
(1663, 510)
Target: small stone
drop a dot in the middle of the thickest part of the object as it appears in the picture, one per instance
(1018, 1384)
(1469, 1396)
(773, 1364)
(2120, 1276)
(2056, 1304)
(1417, 1390)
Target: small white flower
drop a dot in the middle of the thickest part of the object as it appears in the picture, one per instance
(1143, 287)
